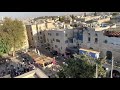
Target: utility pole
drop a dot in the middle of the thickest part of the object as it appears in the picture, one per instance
(96, 70)
(112, 68)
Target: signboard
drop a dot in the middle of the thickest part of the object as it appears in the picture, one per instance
(91, 53)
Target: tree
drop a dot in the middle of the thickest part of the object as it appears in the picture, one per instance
(77, 68)
(15, 30)
(5, 42)
(101, 71)
(81, 67)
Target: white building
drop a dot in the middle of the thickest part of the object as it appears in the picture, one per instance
(98, 41)
(58, 39)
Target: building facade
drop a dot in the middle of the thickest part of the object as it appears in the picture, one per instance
(98, 41)
(58, 39)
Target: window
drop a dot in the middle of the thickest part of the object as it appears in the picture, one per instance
(105, 41)
(108, 55)
(88, 39)
(32, 38)
(49, 34)
(57, 34)
(48, 44)
(40, 33)
(40, 37)
(56, 46)
(96, 34)
(53, 39)
(61, 48)
(96, 40)
(31, 33)
(57, 40)
(90, 48)
(41, 42)
(66, 41)
(71, 40)
(48, 40)
(66, 35)
(89, 34)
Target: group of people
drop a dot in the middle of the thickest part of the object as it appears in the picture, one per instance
(18, 69)
(4, 66)
(22, 68)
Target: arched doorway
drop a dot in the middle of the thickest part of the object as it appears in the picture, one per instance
(109, 55)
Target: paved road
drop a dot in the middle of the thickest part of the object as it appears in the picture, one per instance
(109, 67)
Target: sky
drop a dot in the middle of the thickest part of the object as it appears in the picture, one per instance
(25, 15)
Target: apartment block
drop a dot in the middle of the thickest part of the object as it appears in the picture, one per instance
(57, 39)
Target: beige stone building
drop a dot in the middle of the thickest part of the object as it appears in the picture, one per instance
(32, 35)
(36, 37)
(26, 44)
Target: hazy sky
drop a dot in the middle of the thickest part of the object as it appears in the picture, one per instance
(33, 14)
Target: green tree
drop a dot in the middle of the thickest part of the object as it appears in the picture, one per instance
(15, 30)
(5, 42)
(77, 68)
(81, 67)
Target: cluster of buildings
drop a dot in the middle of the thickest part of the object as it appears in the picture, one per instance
(92, 32)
